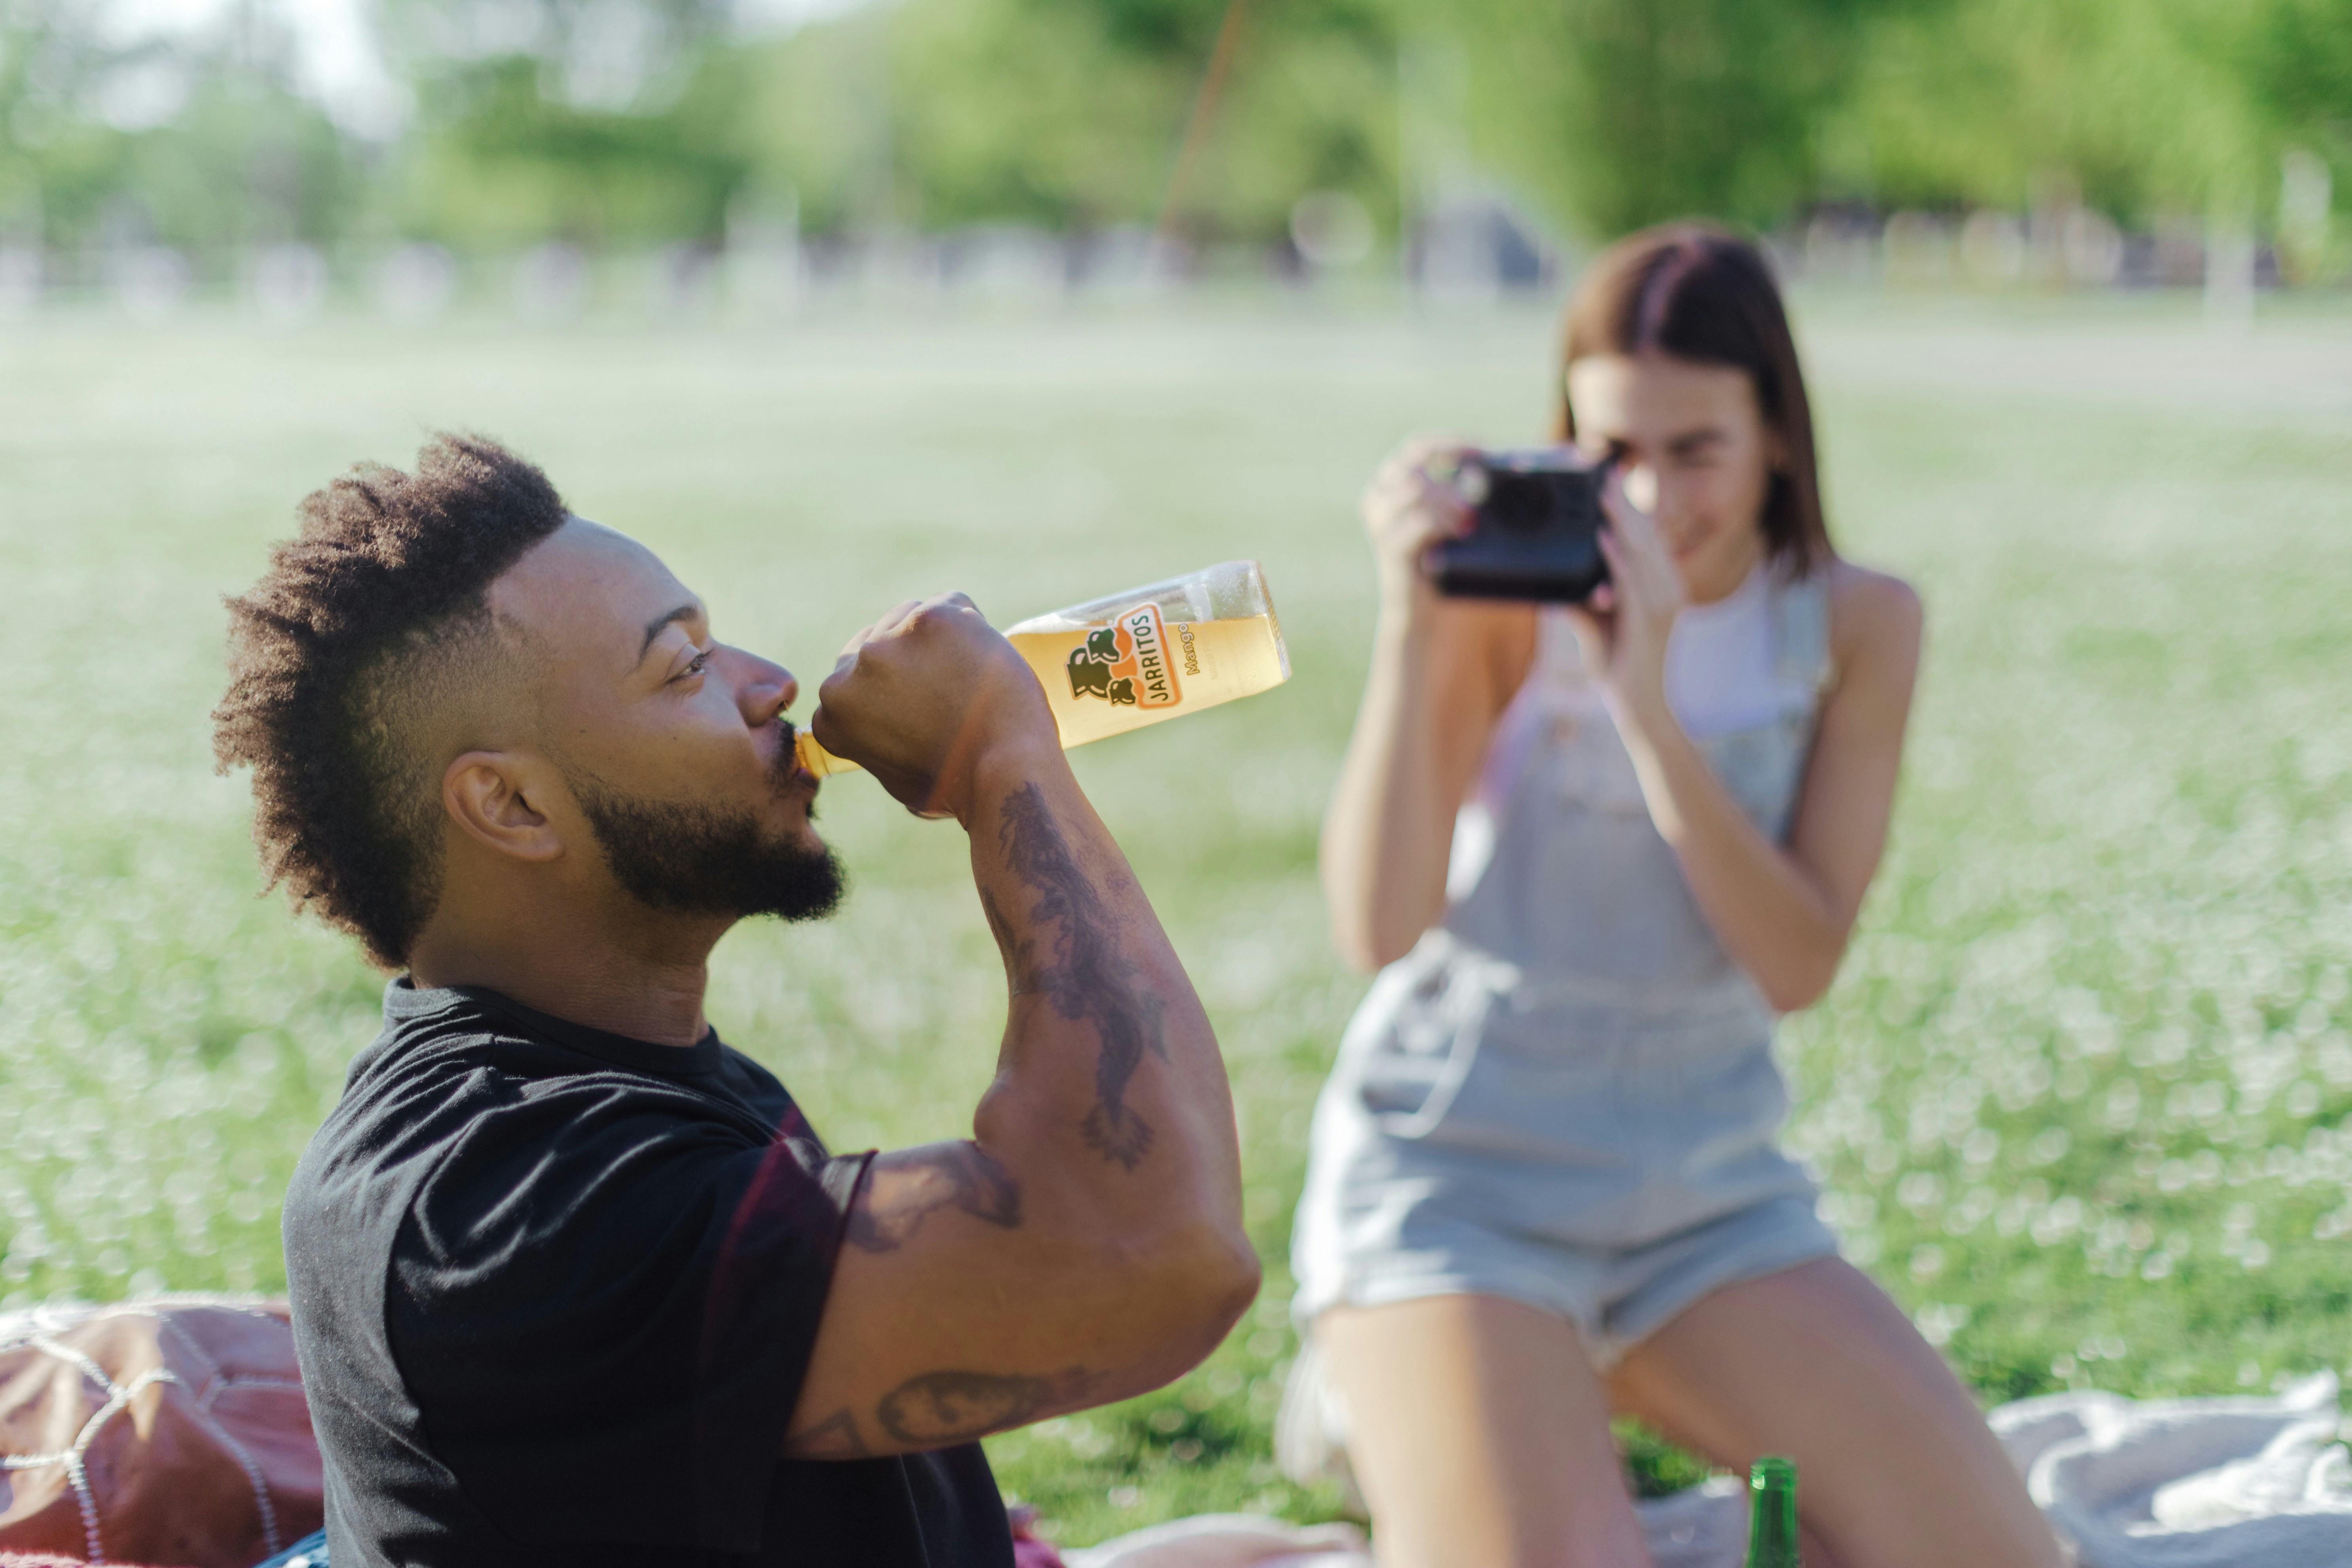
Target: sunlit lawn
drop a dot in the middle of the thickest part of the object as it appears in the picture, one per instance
(2079, 1099)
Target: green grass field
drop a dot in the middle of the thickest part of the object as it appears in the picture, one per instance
(2083, 1099)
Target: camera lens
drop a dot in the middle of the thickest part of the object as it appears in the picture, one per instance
(1519, 505)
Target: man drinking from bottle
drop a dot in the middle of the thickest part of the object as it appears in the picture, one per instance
(574, 1283)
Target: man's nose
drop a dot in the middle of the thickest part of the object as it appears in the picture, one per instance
(763, 690)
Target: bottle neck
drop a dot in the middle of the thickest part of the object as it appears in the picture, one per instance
(1772, 1514)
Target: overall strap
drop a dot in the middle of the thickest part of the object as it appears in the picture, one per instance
(1801, 631)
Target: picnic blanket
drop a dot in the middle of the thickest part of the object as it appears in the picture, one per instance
(172, 1431)
(2250, 1482)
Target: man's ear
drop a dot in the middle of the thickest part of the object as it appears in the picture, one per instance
(489, 795)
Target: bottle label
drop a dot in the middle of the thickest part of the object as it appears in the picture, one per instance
(1128, 663)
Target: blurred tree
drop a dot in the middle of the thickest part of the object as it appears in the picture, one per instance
(1041, 110)
(1312, 105)
(636, 120)
(201, 144)
(2296, 55)
(1069, 113)
(591, 55)
(495, 162)
(1623, 113)
(598, 121)
(2153, 106)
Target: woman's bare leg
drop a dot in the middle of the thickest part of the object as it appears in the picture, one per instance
(1480, 1436)
(1895, 1467)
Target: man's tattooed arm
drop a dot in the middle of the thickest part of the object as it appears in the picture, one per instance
(904, 1189)
(941, 1408)
(1087, 977)
(1096, 1213)
(1019, 955)
(834, 1437)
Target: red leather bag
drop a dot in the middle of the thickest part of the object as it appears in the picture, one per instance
(167, 1431)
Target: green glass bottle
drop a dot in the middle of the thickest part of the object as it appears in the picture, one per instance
(1772, 1513)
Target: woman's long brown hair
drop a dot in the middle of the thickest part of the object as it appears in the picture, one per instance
(1704, 294)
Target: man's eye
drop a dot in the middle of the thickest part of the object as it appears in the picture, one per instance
(695, 666)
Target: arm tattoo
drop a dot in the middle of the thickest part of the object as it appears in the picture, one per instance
(1016, 952)
(1089, 977)
(834, 1437)
(943, 1407)
(902, 1190)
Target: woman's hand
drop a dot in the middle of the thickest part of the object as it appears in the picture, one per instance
(1412, 503)
(1622, 628)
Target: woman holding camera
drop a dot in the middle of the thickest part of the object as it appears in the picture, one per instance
(1594, 851)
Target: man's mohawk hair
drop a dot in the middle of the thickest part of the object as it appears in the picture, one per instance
(354, 634)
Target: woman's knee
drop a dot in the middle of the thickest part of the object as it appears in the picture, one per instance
(1480, 1435)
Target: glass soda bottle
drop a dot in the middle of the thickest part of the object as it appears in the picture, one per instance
(1129, 659)
(1772, 1513)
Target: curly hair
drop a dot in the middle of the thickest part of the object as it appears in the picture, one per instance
(370, 636)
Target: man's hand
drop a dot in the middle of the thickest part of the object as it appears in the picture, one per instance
(918, 697)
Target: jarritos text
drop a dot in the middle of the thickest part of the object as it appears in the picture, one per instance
(1127, 663)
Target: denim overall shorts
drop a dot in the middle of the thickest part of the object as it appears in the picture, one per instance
(1565, 1094)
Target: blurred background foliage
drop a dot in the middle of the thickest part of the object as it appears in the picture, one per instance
(2154, 105)
(625, 122)
(1625, 112)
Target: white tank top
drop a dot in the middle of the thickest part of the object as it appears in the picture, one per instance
(1721, 670)
(1725, 673)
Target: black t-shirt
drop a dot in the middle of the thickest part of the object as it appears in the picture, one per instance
(555, 1293)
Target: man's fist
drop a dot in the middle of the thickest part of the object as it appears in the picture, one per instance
(918, 697)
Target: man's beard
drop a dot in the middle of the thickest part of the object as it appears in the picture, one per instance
(701, 860)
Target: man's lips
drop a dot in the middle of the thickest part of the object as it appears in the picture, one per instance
(786, 770)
